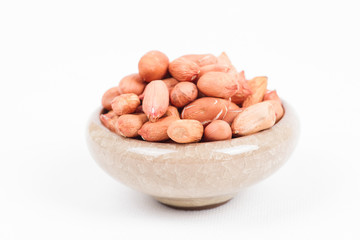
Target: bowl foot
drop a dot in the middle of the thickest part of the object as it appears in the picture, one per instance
(195, 203)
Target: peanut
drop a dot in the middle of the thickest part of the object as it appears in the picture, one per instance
(201, 59)
(108, 96)
(184, 70)
(244, 89)
(125, 103)
(183, 93)
(218, 84)
(156, 100)
(172, 111)
(213, 68)
(217, 130)
(258, 88)
(128, 125)
(253, 119)
(185, 131)
(108, 120)
(156, 131)
(132, 84)
(153, 66)
(232, 112)
(205, 110)
(170, 83)
(271, 95)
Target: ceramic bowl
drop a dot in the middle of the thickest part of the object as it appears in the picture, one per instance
(196, 175)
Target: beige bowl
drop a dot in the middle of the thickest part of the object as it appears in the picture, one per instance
(197, 175)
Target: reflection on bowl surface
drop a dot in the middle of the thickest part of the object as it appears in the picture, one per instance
(197, 174)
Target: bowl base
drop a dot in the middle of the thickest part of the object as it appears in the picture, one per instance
(195, 203)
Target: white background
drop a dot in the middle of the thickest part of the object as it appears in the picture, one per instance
(58, 57)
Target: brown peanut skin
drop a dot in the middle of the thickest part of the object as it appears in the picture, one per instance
(185, 131)
(184, 70)
(218, 84)
(156, 131)
(253, 119)
(108, 96)
(156, 100)
(183, 93)
(153, 66)
(108, 120)
(217, 130)
(205, 110)
(125, 103)
(132, 83)
(128, 125)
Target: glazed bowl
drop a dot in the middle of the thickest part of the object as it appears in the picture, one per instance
(196, 175)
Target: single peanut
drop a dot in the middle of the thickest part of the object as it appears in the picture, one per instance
(132, 83)
(170, 83)
(125, 103)
(273, 97)
(244, 89)
(253, 119)
(172, 111)
(218, 84)
(258, 88)
(153, 66)
(232, 111)
(156, 131)
(205, 110)
(185, 131)
(279, 110)
(213, 68)
(108, 96)
(108, 120)
(217, 130)
(201, 59)
(128, 125)
(184, 70)
(183, 93)
(223, 59)
(156, 100)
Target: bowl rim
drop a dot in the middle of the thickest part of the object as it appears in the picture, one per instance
(288, 111)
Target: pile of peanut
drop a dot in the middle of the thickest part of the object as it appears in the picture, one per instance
(193, 98)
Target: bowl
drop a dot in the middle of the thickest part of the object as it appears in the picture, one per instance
(196, 175)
